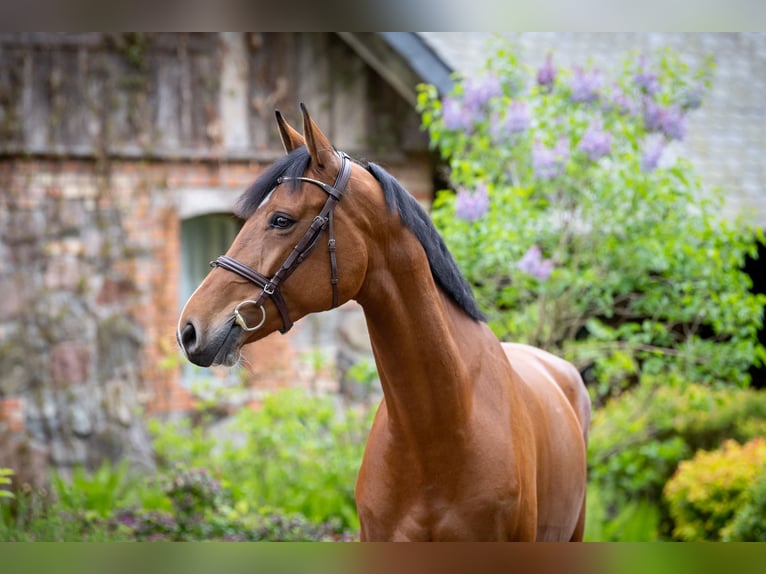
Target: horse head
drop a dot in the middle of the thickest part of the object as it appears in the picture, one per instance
(302, 249)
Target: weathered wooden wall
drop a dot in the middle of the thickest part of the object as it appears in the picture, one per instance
(190, 95)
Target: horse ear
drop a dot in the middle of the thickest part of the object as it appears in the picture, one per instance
(320, 149)
(291, 139)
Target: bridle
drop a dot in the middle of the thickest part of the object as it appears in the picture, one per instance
(270, 286)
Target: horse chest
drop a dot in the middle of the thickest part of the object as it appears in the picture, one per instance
(439, 519)
(450, 505)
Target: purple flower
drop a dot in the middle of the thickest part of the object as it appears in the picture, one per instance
(471, 206)
(478, 92)
(692, 98)
(652, 115)
(652, 151)
(460, 113)
(456, 116)
(620, 101)
(595, 141)
(673, 123)
(585, 86)
(517, 120)
(645, 80)
(546, 74)
(669, 121)
(533, 264)
(550, 163)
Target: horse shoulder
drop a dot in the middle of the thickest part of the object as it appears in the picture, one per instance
(538, 368)
(557, 402)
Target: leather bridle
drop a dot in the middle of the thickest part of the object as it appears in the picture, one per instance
(270, 287)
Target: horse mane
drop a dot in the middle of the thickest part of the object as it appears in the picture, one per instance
(443, 267)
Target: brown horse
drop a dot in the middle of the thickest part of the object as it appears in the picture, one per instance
(474, 439)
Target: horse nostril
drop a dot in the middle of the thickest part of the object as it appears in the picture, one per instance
(189, 337)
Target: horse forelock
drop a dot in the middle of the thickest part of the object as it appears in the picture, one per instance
(293, 164)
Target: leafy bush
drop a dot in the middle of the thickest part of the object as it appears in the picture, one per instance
(99, 492)
(5, 480)
(749, 523)
(708, 492)
(638, 439)
(287, 472)
(201, 510)
(296, 454)
(579, 231)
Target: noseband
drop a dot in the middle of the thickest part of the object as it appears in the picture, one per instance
(270, 286)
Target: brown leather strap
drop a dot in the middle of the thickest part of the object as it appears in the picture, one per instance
(307, 243)
(230, 264)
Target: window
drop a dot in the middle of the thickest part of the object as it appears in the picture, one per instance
(204, 238)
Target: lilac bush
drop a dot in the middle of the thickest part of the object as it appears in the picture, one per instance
(575, 225)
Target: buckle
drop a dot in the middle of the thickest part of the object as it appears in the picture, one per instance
(269, 288)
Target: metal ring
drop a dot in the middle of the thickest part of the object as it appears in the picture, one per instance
(240, 320)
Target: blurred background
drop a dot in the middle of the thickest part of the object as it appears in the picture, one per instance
(121, 157)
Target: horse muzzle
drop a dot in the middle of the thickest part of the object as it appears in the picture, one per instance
(221, 347)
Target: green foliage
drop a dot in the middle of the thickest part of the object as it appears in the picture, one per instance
(632, 521)
(577, 238)
(98, 492)
(201, 509)
(711, 497)
(296, 454)
(5, 479)
(287, 472)
(638, 440)
(749, 523)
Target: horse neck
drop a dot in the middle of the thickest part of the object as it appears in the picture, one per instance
(425, 348)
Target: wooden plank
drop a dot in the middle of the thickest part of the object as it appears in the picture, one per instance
(51, 39)
(168, 109)
(204, 80)
(35, 98)
(348, 97)
(272, 58)
(234, 91)
(313, 78)
(11, 86)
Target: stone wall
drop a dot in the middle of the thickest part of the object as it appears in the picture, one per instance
(70, 339)
(89, 272)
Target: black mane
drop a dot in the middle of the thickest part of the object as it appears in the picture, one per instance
(443, 267)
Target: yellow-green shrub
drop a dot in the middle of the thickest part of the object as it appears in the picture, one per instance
(707, 493)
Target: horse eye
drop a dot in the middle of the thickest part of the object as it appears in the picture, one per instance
(280, 221)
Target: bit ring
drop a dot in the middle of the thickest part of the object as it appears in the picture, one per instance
(240, 320)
